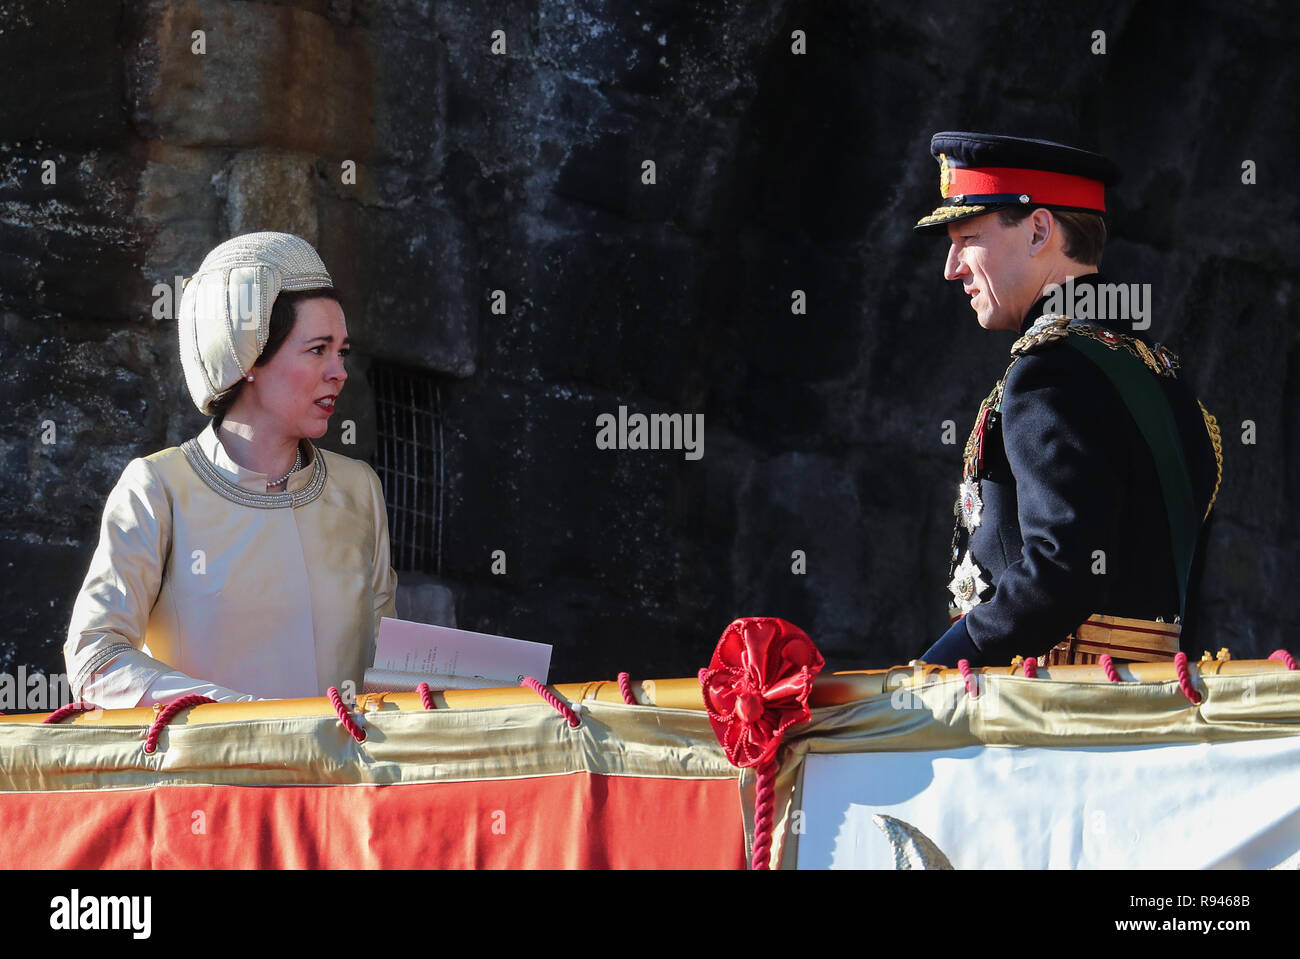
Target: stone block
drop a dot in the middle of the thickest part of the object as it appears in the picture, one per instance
(269, 76)
(272, 190)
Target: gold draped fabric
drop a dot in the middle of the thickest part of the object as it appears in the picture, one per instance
(408, 746)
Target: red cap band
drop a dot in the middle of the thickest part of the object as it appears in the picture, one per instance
(1045, 189)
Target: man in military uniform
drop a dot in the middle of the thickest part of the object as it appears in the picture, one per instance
(1091, 467)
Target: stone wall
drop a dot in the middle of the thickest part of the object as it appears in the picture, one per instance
(522, 172)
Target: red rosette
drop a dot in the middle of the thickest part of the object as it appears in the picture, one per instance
(757, 686)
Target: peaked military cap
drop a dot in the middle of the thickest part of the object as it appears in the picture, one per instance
(983, 172)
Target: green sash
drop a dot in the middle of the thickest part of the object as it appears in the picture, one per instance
(1149, 408)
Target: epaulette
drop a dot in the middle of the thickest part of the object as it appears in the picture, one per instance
(1048, 328)
(1054, 327)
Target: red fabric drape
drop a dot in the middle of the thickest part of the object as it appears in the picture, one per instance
(580, 820)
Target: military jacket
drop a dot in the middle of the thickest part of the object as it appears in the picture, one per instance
(1060, 514)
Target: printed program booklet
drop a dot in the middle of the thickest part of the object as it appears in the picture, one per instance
(407, 654)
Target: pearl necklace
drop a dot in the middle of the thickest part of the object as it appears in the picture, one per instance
(297, 465)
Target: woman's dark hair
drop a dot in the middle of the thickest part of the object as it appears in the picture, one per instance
(283, 313)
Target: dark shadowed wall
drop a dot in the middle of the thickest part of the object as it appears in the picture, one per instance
(125, 155)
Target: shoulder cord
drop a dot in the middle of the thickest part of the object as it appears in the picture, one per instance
(1212, 427)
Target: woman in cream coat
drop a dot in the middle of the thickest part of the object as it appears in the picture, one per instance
(247, 562)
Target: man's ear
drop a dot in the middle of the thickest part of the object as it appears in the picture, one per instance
(1041, 227)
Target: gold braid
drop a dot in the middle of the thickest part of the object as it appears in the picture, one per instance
(1212, 427)
(947, 213)
(991, 402)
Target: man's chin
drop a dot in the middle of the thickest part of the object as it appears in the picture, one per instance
(994, 321)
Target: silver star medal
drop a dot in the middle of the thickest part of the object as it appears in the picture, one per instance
(967, 583)
(970, 504)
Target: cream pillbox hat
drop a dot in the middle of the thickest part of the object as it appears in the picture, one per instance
(225, 311)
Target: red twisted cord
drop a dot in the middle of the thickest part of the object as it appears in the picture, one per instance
(764, 815)
(426, 696)
(348, 722)
(63, 712)
(1282, 656)
(166, 715)
(625, 687)
(560, 706)
(1108, 665)
(971, 687)
(1185, 680)
(1031, 668)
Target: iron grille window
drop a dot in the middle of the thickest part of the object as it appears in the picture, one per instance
(408, 459)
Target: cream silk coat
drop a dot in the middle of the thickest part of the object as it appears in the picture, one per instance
(205, 583)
